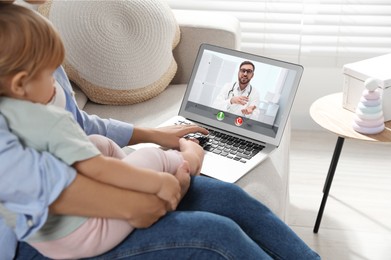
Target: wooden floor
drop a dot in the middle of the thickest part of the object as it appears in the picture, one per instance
(357, 220)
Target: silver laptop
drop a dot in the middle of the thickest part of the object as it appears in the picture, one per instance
(241, 135)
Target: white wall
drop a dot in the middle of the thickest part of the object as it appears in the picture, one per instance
(316, 82)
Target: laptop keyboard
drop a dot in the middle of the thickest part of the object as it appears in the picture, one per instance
(226, 145)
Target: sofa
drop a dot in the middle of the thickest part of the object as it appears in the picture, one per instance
(268, 182)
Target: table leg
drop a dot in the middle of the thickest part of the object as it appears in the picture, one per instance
(329, 180)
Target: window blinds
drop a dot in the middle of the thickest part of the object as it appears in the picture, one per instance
(316, 33)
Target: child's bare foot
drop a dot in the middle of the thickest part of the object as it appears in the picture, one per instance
(193, 154)
(170, 189)
(183, 176)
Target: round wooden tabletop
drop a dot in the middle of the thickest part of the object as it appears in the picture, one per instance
(329, 114)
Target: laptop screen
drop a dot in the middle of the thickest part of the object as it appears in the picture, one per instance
(241, 93)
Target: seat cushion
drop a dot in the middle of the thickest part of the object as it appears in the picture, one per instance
(117, 52)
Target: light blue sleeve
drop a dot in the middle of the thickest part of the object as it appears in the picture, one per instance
(8, 241)
(118, 131)
(29, 181)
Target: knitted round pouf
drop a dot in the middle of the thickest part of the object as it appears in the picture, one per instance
(117, 52)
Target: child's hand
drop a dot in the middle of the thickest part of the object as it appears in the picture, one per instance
(170, 189)
(193, 153)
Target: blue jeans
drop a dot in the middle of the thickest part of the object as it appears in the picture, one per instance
(215, 220)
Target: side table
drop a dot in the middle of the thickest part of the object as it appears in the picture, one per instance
(329, 114)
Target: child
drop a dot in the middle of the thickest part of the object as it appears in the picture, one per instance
(30, 52)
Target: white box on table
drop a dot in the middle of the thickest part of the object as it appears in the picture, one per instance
(355, 75)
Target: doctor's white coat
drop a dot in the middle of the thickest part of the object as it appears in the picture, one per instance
(229, 90)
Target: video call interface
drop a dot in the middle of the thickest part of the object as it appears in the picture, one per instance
(266, 89)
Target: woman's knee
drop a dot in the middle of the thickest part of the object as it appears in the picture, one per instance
(218, 192)
(209, 235)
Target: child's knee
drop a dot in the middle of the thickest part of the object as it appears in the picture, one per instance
(156, 159)
(107, 146)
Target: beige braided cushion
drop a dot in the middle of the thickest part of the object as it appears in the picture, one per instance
(117, 52)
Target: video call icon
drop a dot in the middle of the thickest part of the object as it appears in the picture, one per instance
(220, 116)
(238, 121)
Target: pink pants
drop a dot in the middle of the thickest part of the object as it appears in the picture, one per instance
(99, 235)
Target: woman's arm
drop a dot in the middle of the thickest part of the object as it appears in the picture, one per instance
(86, 197)
(123, 175)
(167, 136)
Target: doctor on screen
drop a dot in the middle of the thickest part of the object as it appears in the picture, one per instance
(240, 97)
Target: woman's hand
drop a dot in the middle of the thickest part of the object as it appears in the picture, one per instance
(147, 210)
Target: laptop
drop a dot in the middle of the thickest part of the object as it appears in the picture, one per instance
(237, 142)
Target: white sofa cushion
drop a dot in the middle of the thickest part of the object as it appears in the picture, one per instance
(118, 52)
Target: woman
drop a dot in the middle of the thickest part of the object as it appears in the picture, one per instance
(214, 220)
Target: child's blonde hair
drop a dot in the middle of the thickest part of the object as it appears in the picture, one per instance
(28, 42)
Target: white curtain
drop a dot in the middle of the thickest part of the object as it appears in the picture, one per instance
(315, 33)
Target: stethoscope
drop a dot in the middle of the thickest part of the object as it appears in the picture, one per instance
(231, 92)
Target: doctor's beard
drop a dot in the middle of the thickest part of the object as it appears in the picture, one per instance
(244, 80)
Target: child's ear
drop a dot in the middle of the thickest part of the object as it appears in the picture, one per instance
(18, 82)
